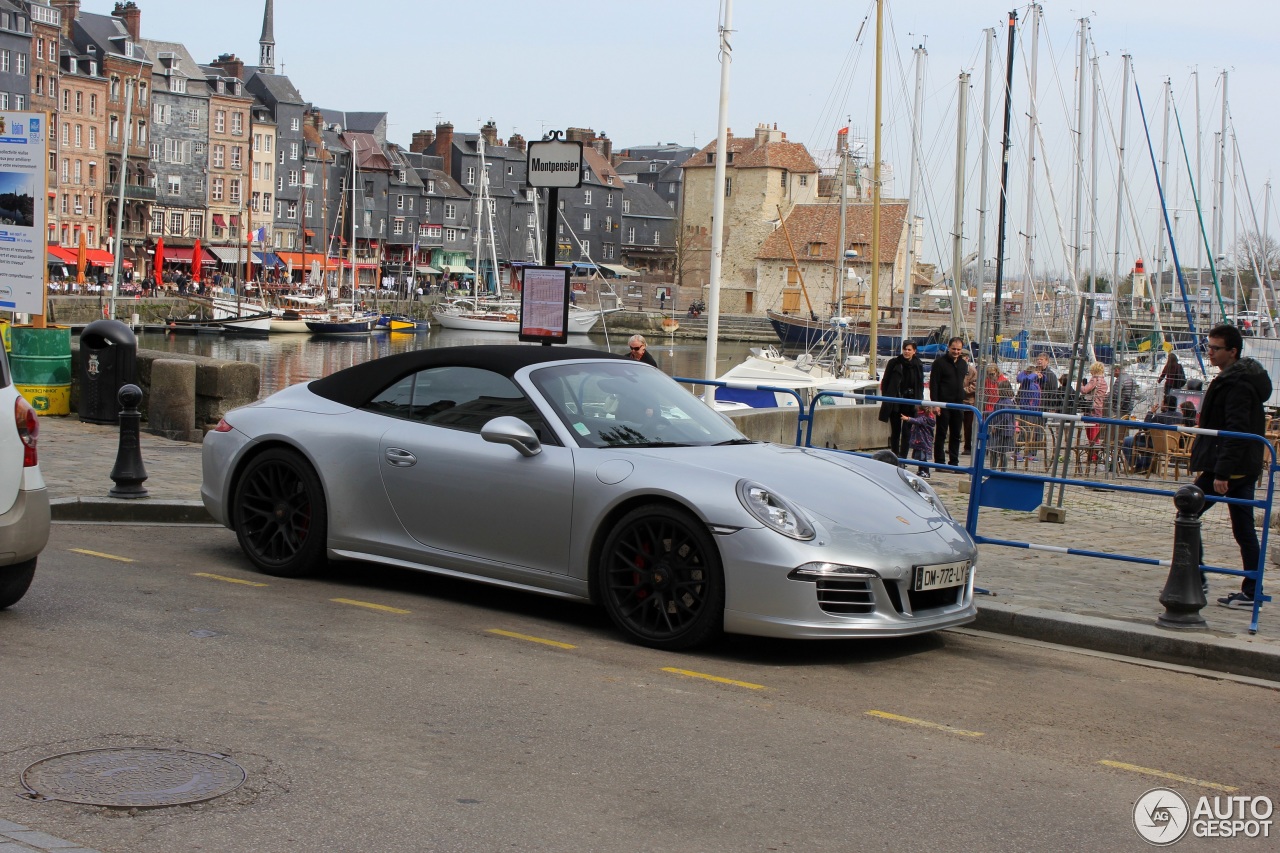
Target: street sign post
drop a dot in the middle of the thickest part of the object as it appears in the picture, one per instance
(554, 164)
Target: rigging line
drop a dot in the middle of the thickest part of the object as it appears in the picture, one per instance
(1173, 247)
(847, 72)
(1115, 137)
(1253, 211)
(1204, 234)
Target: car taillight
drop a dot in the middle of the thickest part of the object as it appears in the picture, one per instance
(223, 426)
(28, 431)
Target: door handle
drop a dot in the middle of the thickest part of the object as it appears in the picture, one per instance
(401, 458)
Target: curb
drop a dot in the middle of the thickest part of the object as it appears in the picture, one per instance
(137, 510)
(1197, 648)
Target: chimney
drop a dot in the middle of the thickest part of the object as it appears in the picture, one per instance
(231, 64)
(444, 147)
(70, 11)
(585, 135)
(317, 120)
(605, 146)
(421, 142)
(490, 134)
(132, 17)
(516, 141)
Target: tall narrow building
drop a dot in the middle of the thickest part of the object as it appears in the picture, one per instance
(267, 42)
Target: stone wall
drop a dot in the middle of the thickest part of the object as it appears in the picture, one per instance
(839, 427)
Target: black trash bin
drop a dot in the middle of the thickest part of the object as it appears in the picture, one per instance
(108, 360)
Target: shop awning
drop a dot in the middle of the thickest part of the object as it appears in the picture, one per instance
(619, 269)
(228, 254)
(219, 220)
(59, 255)
(269, 260)
(449, 269)
(579, 265)
(427, 270)
(182, 255)
(99, 257)
(296, 262)
(308, 232)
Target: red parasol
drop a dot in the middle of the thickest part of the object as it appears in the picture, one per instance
(158, 264)
(82, 259)
(195, 260)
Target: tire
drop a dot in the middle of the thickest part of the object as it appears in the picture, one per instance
(15, 580)
(280, 515)
(660, 578)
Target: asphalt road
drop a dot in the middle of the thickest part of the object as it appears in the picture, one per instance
(379, 710)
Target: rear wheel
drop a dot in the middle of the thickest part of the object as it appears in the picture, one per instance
(659, 576)
(15, 580)
(280, 515)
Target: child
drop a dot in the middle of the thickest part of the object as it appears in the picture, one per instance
(1002, 425)
(922, 435)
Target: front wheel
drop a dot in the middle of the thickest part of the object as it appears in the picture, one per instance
(660, 578)
(280, 516)
(15, 580)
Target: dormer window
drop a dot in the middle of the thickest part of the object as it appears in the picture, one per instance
(729, 158)
(711, 157)
(608, 179)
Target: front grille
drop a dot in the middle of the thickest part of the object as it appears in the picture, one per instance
(931, 599)
(846, 597)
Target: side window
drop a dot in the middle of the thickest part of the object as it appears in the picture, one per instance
(464, 398)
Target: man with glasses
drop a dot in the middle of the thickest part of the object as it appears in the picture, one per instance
(640, 350)
(1229, 467)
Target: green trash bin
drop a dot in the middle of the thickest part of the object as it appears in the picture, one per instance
(40, 360)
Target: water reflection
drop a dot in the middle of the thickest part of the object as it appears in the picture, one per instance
(289, 359)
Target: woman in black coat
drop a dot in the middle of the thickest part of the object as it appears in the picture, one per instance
(903, 377)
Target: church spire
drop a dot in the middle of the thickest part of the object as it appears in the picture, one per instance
(267, 42)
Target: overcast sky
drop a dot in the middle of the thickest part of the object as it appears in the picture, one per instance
(647, 72)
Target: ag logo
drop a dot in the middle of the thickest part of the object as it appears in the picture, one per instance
(1161, 816)
(92, 366)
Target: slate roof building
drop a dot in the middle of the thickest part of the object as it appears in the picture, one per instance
(648, 232)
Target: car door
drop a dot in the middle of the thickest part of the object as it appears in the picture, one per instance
(457, 493)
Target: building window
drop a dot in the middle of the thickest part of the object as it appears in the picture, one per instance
(293, 151)
(397, 226)
(586, 248)
(531, 220)
(197, 224)
(631, 234)
(176, 223)
(293, 125)
(93, 139)
(93, 199)
(450, 211)
(157, 223)
(657, 238)
(586, 221)
(471, 175)
(219, 155)
(79, 102)
(215, 189)
(175, 185)
(586, 196)
(220, 121)
(608, 200)
(237, 123)
(4, 60)
(39, 84)
(293, 177)
(784, 180)
(608, 251)
(77, 172)
(608, 223)
(236, 155)
(234, 195)
(293, 210)
(93, 174)
(804, 181)
(399, 202)
(79, 135)
(19, 102)
(279, 183)
(114, 131)
(451, 235)
(728, 187)
(93, 105)
(671, 188)
(309, 209)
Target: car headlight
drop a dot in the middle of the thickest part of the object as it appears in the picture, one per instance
(830, 571)
(774, 511)
(924, 490)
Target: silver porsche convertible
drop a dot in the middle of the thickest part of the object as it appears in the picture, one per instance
(577, 473)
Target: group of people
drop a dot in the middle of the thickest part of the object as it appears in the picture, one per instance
(1226, 467)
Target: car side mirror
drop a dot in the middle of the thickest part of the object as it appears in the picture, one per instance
(514, 433)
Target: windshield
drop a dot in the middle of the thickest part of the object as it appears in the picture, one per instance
(617, 404)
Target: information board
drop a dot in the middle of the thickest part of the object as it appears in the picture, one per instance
(24, 144)
(544, 305)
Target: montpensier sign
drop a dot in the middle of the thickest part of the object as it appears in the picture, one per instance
(554, 163)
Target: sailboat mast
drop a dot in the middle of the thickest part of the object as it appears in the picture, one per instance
(957, 222)
(1004, 183)
(1029, 235)
(717, 202)
(874, 346)
(351, 250)
(837, 283)
(1159, 264)
(1093, 196)
(1199, 182)
(1120, 205)
(1078, 241)
(909, 276)
(1219, 248)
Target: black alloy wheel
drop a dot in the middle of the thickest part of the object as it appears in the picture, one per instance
(660, 578)
(280, 516)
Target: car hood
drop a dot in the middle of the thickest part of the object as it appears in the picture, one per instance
(842, 490)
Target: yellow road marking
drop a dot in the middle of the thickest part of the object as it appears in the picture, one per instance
(102, 555)
(513, 635)
(225, 579)
(885, 715)
(717, 679)
(384, 608)
(1160, 774)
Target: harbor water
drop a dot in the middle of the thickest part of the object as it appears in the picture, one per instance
(289, 359)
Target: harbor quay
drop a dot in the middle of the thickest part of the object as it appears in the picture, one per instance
(1096, 604)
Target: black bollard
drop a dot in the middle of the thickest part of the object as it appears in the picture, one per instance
(129, 473)
(1183, 595)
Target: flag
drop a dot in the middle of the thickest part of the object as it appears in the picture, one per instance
(1149, 342)
(259, 236)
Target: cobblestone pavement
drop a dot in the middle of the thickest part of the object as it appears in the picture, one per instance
(76, 459)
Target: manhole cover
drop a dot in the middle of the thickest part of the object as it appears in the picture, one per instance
(133, 777)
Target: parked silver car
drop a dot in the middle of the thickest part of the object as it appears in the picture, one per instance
(24, 501)
(579, 474)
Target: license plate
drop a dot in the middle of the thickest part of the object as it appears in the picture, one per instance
(941, 576)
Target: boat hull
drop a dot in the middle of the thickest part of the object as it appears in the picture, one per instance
(580, 322)
(354, 326)
(800, 333)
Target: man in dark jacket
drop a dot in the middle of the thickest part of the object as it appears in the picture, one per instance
(903, 377)
(1230, 466)
(946, 385)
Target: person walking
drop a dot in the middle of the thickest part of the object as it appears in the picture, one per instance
(903, 377)
(1230, 467)
(1095, 397)
(946, 385)
(921, 433)
(970, 399)
(638, 350)
(1172, 374)
(1124, 391)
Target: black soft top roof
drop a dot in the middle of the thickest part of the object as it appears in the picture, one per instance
(356, 386)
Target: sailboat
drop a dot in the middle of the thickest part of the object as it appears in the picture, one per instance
(343, 320)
